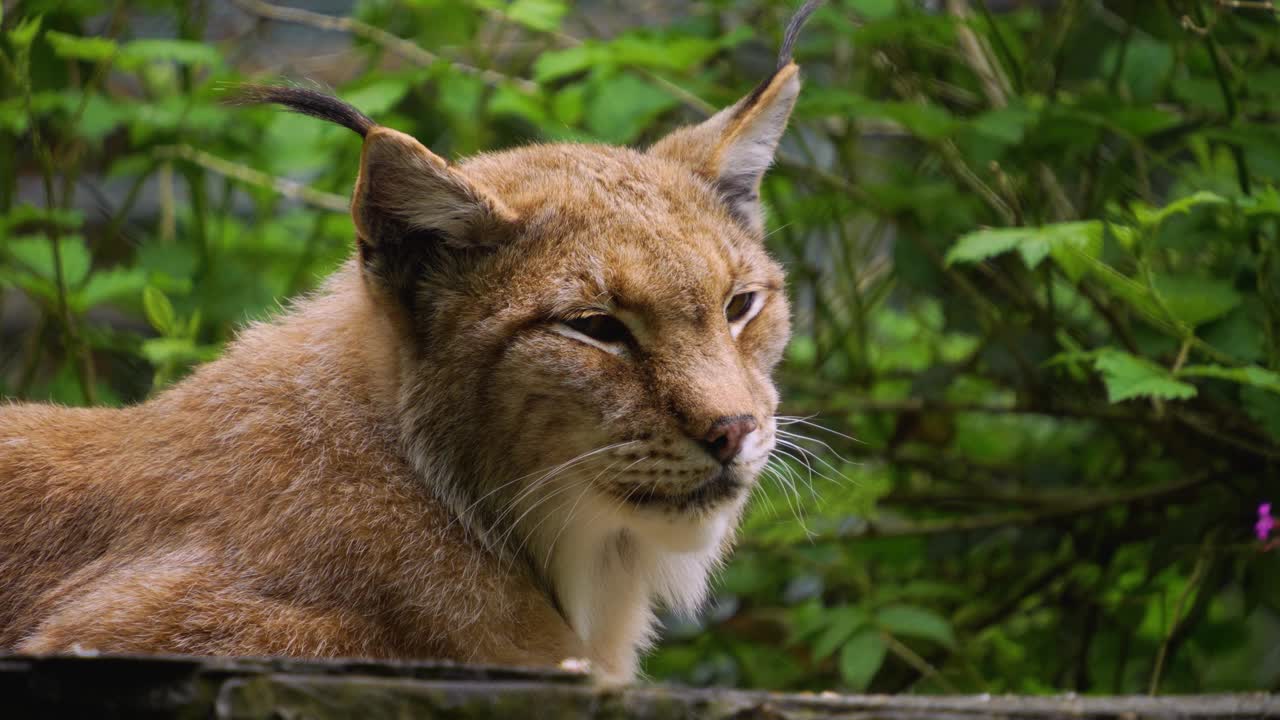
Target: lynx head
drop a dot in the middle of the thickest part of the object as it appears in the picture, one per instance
(588, 331)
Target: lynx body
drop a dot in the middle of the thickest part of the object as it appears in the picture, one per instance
(529, 409)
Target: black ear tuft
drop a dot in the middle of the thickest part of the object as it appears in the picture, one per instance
(793, 31)
(307, 102)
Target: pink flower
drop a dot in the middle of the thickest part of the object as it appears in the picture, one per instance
(1265, 523)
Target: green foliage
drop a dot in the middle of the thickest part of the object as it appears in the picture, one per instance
(1033, 398)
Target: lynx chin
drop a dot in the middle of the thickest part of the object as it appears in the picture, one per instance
(529, 409)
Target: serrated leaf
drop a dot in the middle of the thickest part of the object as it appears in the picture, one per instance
(842, 624)
(861, 658)
(1064, 241)
(917, 622)
(1127, 377)
(74, 47)
(985, 244)
(1150, 217)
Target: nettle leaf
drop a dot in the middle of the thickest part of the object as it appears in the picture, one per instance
(1066, 242)
(916, 622)
(861, 658)
(1151, 217)
(73, 47)
(1127, 376)
(1252, 375)
(1196, 300)
(985, 244)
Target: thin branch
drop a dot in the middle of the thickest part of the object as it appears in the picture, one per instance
(1192, 582)
(399, 46)
(869, 531)
(283, 186)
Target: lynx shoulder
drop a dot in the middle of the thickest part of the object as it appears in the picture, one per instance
(528, 409)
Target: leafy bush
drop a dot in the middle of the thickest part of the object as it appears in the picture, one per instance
(1033, 395)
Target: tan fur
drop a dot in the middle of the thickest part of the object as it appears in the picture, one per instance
(368, 475)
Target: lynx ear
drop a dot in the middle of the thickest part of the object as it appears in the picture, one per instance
(410, 206)
(733, 148)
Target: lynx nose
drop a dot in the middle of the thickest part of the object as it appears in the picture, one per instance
(724, 441)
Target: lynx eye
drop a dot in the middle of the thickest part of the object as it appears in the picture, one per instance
(600, 327)
(739, 306)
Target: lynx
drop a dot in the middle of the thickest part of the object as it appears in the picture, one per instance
(528, 410)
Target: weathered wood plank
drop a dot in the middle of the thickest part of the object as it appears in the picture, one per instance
(258, 689)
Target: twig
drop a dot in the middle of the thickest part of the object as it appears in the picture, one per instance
(1192, 582)
(283, 186)
(1228, 98)
(919, 664)
(409, 51)
(870, 531)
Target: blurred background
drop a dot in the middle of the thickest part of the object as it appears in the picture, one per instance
(1032, 248)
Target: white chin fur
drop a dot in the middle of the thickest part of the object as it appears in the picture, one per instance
(677, 531)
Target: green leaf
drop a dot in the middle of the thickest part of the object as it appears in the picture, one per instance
(1151, 217)
(379, 97)
(843, 622)
(623, 106)
(36, 254)
(138, 53)
(918, 622)
(1251, 375)
(984, 244)
(74, 47)
(556, 64)
(510, 101)
(1065, 241)
(861, 658)
(543, 15)
(874, 9)
(25, 32)
(1006, 126)
(109, 286)
(179, 350)
(1263, 407)
(160, 312)
(1196, 300)
(1127, 377)
(25, 213)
